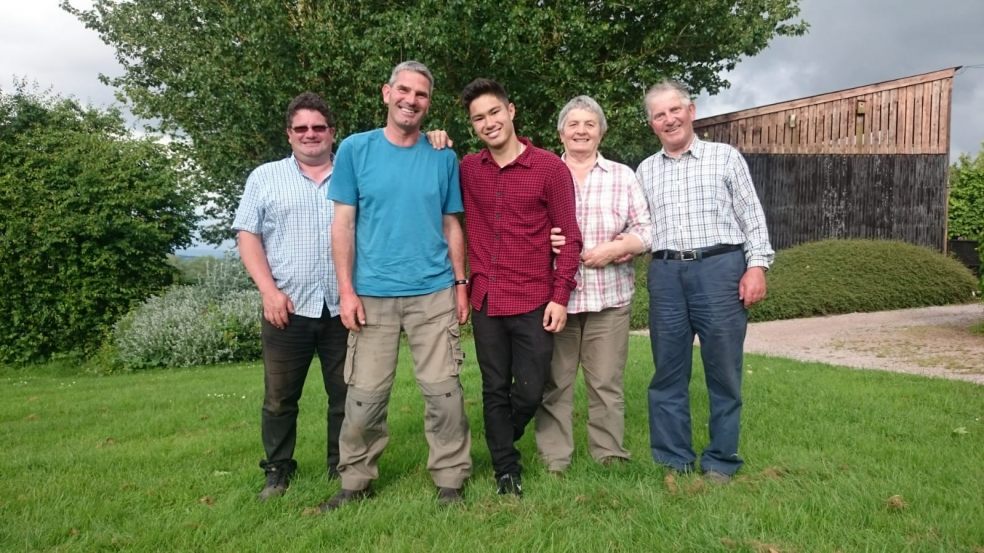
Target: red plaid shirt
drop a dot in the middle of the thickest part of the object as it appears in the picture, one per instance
(508, 215)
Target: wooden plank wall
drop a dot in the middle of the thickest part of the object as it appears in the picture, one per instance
(814, 197)
(904, 116)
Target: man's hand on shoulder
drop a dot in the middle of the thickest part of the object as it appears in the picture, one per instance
(752, 287)
(554, 317)
(439, 139)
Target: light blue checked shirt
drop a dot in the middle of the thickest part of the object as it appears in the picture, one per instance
(704, 198)
(292, 215)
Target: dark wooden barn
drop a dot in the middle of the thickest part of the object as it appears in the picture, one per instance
(866, 162)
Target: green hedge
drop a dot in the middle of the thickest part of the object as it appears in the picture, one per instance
(218, 319)
(980, 255)
(87, 217)
(846, 276)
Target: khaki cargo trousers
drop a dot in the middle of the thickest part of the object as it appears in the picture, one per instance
(431, 326)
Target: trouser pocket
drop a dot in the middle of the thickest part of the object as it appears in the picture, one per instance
(351, 348)
(454, 346)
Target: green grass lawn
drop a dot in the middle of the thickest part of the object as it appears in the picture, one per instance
(836, 460)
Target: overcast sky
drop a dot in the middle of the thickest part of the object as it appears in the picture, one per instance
(850, 43)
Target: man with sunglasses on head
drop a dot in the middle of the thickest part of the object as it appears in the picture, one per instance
(283, 224)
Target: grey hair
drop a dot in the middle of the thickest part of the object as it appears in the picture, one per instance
(586, 103)
(667, 85)
(416, 67)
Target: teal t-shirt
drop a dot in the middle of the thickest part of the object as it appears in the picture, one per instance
(401, 195)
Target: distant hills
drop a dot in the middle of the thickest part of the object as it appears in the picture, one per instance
(207, 250)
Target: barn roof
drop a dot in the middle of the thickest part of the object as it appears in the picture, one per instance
(909, 115)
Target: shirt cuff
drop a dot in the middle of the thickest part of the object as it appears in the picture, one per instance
(561, 297)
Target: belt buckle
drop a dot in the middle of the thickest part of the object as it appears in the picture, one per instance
(688, 255)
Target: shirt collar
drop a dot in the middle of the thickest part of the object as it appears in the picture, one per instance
(696, 149)
(523, 159)
(600, 162)
(297, 167)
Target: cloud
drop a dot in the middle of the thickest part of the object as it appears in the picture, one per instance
(47, 45)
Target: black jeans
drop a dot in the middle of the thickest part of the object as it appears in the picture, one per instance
(287, 357)
(514, 354)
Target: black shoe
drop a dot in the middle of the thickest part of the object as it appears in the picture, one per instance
(449, 496)
(344, 497)
(333, 473)
(510, 484)
(277, 482)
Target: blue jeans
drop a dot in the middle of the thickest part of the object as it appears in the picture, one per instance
(687, 298)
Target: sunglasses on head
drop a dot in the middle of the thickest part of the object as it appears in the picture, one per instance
(303, 129)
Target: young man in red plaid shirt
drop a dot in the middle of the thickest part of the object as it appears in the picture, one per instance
(514, 193)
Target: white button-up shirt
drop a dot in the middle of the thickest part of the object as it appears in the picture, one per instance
(292, 215)
(703, 198)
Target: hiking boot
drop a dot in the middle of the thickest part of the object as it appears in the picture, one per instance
(449, 496)
(277, 482)
(510, 484)
(717, 478)
(344, 497)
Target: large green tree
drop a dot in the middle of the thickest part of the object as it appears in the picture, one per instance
(219, 72)
(87, 218)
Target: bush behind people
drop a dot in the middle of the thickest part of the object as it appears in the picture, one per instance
(832, 277)
(216, 320)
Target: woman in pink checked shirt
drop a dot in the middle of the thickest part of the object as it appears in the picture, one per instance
(614, 219)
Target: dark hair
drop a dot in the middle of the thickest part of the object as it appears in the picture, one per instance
(481, 87)
(313, 102)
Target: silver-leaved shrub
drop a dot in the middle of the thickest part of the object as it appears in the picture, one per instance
(214, 321)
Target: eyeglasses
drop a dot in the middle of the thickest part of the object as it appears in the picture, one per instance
(303, 129)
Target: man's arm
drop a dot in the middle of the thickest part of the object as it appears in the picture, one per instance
(751, 218)
(562, 213)
(343, 255)
(456, 252)
(749, 213)
(276, 305)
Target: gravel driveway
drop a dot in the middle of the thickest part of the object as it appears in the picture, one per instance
(931, 341)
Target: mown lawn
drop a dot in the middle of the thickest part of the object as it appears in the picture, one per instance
(837, 460)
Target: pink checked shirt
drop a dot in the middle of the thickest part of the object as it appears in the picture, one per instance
(609, 202)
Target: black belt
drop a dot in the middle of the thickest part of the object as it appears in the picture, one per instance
(699, 253)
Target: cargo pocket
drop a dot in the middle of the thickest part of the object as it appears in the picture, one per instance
(454, 344)
(353, 340)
